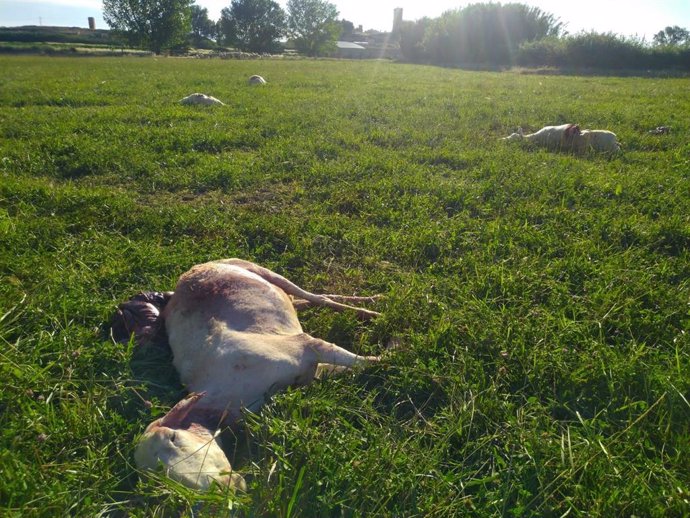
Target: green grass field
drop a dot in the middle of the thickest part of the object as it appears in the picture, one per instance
(538, 300)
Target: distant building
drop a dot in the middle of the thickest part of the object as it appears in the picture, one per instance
(92, 23)
(350, 50)
(372, 44)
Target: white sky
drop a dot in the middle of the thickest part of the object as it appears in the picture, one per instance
(629, 17)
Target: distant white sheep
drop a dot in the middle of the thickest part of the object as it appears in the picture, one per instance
(569, 137)
(202, 99)
(257, 80)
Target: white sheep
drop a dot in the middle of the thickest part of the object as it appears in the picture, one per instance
(203, 99)
(257, 80)
(569, 137)
(236, 339)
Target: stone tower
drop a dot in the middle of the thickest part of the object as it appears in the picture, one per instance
(397, 19)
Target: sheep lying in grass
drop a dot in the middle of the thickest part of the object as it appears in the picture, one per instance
(202, 99)
(236, 339)
(257, 80)
(569, 137)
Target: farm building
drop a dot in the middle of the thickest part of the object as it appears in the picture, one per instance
(350, 50)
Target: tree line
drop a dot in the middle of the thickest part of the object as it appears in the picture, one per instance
(248, 25)
(516, 34)
(479, 34)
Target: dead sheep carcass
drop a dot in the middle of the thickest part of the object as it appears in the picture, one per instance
(257, 80)
(569, 137)
(201, 99)
(236, 339)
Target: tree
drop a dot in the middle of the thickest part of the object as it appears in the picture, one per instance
(486, 33)
(253, 25)
(154, 24)
(202, 26)
(674, 36)
(313, 25)
(412, 39)
(346, 28)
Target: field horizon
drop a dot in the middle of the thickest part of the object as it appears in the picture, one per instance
(535, 321)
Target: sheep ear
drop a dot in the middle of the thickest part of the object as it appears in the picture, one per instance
(177, 414)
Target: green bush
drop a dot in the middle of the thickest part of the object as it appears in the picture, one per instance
(597, 50)
(516, 34)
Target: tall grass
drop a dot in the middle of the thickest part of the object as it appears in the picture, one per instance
(538, 301)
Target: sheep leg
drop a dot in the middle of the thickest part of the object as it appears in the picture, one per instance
(353, 298)
(300, 304)
(326, 352)
(292, 289)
